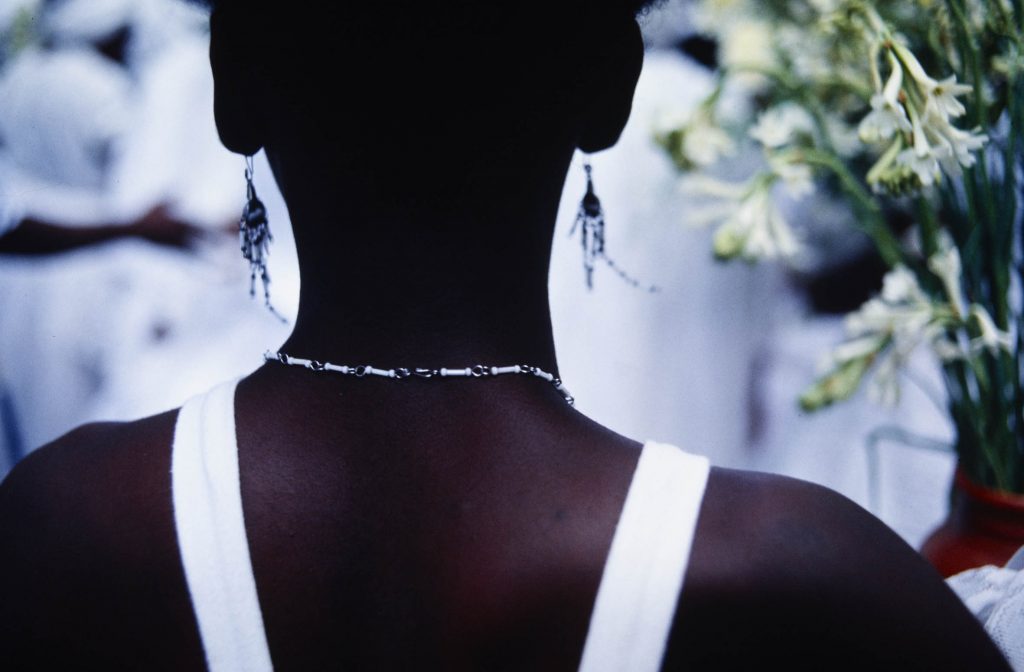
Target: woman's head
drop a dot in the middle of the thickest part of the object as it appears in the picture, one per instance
(422, 149)
(413, 77)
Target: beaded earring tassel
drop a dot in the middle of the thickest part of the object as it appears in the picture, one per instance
(590, 221)
(254, 236)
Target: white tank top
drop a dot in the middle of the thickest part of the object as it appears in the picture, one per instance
(632, 613)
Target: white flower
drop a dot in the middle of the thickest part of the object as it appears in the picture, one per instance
(923, 158)
(946, 349)
(900, 319)
(936, 140)
(753, 227)
(941, 96)
(707, 144)
(958, 145)
(914, 67)
(704, 185)
(900, 286)
(924, 164)
(845, 137)
(883, 121)
(992, 338)
(858, 348)
(946, 264)
(781, 125)
(694, 140)
(746, 43)
(887, 116)
(769, 235)
(797, 177)
(805, 51)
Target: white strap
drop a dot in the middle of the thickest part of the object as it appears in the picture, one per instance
(643, 575)
(211, 534)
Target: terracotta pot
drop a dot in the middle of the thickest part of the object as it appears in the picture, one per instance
(984, 527)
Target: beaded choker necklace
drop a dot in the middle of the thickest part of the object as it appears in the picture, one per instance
(478, 371)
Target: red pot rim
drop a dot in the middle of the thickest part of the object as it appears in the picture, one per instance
(987, 495)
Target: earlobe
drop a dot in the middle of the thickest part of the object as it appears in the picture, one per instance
(609, 103)
(235, 91)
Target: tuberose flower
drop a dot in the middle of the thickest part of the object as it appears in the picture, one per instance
(887, 116)
(883, 334)
(946, 264)
(991, 338)
(694, 141)
(781, 125)
(942, 97)
(922, 158)
(752, 226)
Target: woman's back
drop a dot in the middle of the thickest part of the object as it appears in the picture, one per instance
(374, 548)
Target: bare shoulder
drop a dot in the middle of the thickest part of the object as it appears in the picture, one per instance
(793, 572)
(85, 476)
(86, 532)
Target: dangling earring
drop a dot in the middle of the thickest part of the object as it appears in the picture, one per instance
(254, 235)
(590, 221)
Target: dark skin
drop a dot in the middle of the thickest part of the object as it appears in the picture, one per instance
(458, 525)
(35, 237)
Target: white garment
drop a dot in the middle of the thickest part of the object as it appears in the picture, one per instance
(211, 534)
(633, 610)
(63, 115)
(128, 329)
(995, 595)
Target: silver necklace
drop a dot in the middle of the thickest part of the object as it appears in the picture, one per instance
(478, 371)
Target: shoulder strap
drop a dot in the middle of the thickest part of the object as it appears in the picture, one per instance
(211, 534)
(643, 575)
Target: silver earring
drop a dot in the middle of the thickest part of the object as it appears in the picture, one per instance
(254, 236)
(590, 221)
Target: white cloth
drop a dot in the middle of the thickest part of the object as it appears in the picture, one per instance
(643, 575)
(63, 114)
(10, 210)
(633, 610)
(211, 534)
(126, 330)
(995, 595)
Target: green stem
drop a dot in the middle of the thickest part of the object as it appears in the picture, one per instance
(874, 222)
(929, 227)
(969, 49)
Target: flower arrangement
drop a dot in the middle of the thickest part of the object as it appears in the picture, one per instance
(903, 110)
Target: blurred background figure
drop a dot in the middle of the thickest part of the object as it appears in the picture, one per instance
(118, 211)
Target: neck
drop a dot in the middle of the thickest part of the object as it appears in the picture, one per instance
(426, 286)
